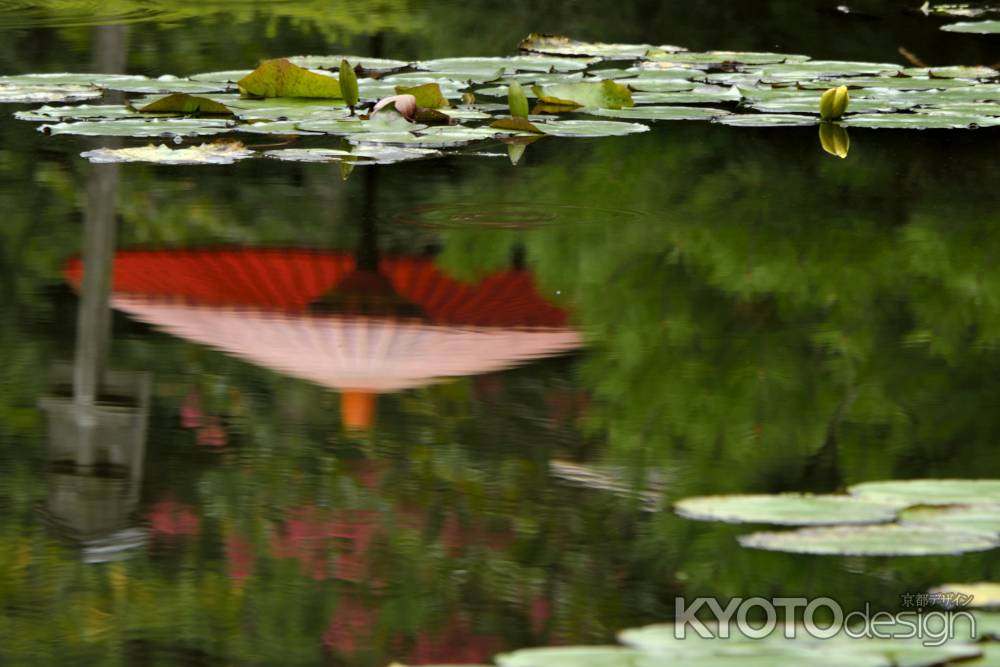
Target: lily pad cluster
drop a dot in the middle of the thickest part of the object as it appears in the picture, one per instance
(570, 89)
(666, 645)
(891, 518)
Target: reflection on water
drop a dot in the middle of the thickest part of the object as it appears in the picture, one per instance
(771, 320)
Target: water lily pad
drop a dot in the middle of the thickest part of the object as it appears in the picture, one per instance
(718, 58)
(486, 66)
(226, 76)
(921, 121)
(660, 113)
(879, 540)
(428, 95)
(590, 128)
(979, 72)
(333, 62)
(161, 85)
(32, 93)
(605, 95)
(963, 517)
(767, 120)
(279, 127)
(432, 137)
(569, 656)
(279, 109)
(217, 153)
(930, 491)
(516, 124)
(891, 82)
(985, 595)
(698, 95)
(826, 69)
(280, 78)
(48, 114)
(975, 27)
(650, 85)
(142, 127)
(566, 46)
(788, 509)
(361, 154)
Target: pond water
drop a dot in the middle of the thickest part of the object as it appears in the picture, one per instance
(441, 409)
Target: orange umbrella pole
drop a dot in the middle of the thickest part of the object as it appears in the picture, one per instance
(357, 410)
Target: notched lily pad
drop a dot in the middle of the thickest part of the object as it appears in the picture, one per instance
(590, 128)
(216, 153)
(879, 540)
(361, 154)
(767, 120)
(280, 78)
(660, 113)
(787, 509)
(142, 127)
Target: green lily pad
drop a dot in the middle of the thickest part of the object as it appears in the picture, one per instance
(985, 595)
(827, 69)
(293, 112)
(227, 76)
(485, 66)
(978, 72)
(590, 128)
(921, 121)
(767, 120)
(788, 509)
(975, 27)
(361, 154)
(432, 137)
(651, 70)
(566, 46)
(718, 58)
(963, 517)
(879, 540)
(660, 113)
(648, 85)
(142, 127)
(964, 109)
(459, 113)
(930, 491)
(218, 153)
(699, 95)
(516, 124)
(189, 105)
(48, 114)
(32, 94)
(280, 78)
(891, 82)
(604, 95)
(162, 85)
(279, 127)
(333, 62)
(569, 656)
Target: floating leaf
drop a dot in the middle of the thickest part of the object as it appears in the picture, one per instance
(766, 120)
(516, 124)
(648, 85)
(280, 127)
(605, 95)
(834, 139)
(975, 27)
(716, 59)
(827, 69)
(698, 95)
(189, 105)
(48, 114)
(833, 103)
(348, 84)
(984, 595)
(590, 128)
(789, 509)
(217, 153)
(963, 517)
(163, 84)
(333, 62)
(880, 540)
(361, 154)
(432, 137)
(480, 67)
(930, 491)
(569, 656)
(565, 46)
(428, 95)
(142, 127)
(280, 78)
(31, 93)
(660, 113)
(921, 121)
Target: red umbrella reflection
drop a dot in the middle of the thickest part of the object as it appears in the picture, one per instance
(359, 327)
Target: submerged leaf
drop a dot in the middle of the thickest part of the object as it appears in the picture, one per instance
(280, 78)
(606, 95)
(428, 95)
(190, 105)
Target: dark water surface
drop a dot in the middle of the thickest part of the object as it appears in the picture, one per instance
(276, 473)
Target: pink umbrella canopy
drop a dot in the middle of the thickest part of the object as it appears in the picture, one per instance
(315, 316)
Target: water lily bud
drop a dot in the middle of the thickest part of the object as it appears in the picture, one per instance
(517, 100)
(348, 84)
(833, 103)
